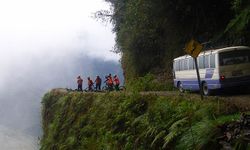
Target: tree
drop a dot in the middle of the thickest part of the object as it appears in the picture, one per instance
(150, 33)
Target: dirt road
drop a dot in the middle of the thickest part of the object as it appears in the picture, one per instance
(240, 101)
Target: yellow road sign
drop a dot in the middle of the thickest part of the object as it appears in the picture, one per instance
(193, 48)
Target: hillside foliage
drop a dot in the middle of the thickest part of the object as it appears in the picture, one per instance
(150, 33)
(115, 121)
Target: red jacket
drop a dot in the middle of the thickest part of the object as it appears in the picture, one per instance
(117, 81)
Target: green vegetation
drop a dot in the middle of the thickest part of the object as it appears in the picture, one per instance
(149, 83)
(240, 24)
(150, 33)
(131, 121)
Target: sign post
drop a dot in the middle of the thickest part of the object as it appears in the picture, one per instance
(193, 48)
(199, 79)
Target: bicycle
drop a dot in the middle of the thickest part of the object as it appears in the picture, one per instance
(122, 88)
(87, 89)
(107, 88)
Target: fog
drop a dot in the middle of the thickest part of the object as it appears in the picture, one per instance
(46, 44)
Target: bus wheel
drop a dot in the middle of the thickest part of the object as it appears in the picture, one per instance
(180, 87)
(205, 89)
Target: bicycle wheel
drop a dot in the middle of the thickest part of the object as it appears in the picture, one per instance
(86, 89)
(122, 88)
(105, 88)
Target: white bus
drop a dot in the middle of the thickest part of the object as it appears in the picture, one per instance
(219, 68)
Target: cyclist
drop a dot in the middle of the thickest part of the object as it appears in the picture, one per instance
(90, 84)
(79, 83)
(116, 83)
(110, 82)
(106, 80)
(98, 82)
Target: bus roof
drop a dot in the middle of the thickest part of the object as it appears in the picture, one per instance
(215, 51)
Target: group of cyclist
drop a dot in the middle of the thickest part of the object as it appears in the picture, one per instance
(112, 83)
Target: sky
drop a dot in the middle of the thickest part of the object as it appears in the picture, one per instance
(34, 25)
(46, 44)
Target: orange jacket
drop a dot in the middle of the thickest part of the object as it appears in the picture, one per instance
(90, 82)
(79, 81)
(110, 81)
(98, 80)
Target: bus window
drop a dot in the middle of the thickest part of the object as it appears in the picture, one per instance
(212, 61)
(181, 65)
(191, 64)
(201, 62)
(185, 64)
(234, 57)
(176, 65)
(206, 62)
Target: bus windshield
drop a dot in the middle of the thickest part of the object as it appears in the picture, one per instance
(234, 57)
